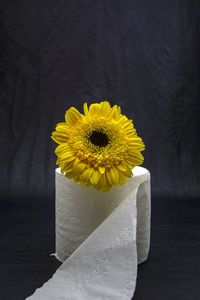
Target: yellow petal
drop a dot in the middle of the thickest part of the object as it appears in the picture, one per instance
(130, 130)
(114, 112)
(85, 108)
(137, 154)
(128, 124)
(65, 152)
(61, 134)
(122, 120)
(116, 176)
(135, 140)
(67, 167)
(86, 174)
(122, 166)
(128, 172)
(94, 108)
(107, 186)
(62, 147)
(122, 179)
(67, 157)
(105, 107)
(72, 115)
(111, 176)
(119, 109)
(78, 166)
(62, 126)
(69, 174)
(100, 182)
(95, 177)
(59, 138)
(102, 170)
(136, 146)
(134, 143)
(136, 159)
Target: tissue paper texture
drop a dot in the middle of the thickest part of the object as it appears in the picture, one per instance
(100, 238)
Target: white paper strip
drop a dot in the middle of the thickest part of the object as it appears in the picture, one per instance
(101, 237)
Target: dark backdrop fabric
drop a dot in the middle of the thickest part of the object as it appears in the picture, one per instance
(141, 55)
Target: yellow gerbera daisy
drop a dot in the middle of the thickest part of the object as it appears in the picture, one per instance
(98, 148)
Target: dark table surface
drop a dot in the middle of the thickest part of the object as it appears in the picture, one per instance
(171, 273)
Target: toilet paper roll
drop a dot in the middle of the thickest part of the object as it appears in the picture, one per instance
(100, 238)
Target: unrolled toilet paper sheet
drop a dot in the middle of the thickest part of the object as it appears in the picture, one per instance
(100, 237)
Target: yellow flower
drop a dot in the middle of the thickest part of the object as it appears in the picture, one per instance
(98, 148)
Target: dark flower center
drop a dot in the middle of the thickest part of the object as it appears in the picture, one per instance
(99, 138)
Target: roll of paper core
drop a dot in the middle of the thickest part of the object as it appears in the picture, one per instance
(100, 238)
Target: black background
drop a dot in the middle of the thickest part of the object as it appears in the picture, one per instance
(141, 55)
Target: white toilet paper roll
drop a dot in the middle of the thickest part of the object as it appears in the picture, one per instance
(79, 211)
(100, 237)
